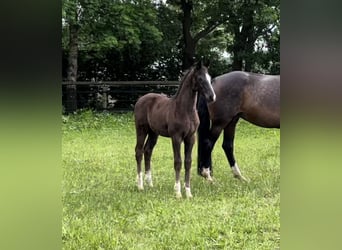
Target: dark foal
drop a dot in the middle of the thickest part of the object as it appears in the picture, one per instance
(174, 117)
(252, 97)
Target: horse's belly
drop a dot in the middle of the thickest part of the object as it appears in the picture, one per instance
(161, 131)
(158, 126)
(263, 119)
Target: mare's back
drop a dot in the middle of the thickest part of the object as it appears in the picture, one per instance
(229, 89)
(238, 91)
(232, 81)
(266, 89)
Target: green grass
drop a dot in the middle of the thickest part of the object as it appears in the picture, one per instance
(102, 208)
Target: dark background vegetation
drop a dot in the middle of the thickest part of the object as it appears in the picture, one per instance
(114, 40)
(155, 40)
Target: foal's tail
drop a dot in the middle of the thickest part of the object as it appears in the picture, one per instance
(203, 130)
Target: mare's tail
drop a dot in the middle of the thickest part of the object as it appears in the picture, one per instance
(203, 130)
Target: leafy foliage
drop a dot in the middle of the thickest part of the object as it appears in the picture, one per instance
(255, 27)
(143, 39)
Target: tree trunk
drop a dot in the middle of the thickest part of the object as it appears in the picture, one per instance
(189, 43)
(238, 49)
(189, 55)
(250, 38)
(71, 98)
(243, 47)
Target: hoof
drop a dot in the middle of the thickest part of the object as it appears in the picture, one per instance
(140, 182)
(149, 182)
(241, 178)
(177, 189)
(188, 193)
(206, 174)
(237, 173)
(209, 179)
(148, 179)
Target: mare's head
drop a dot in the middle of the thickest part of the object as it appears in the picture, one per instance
(202, 81)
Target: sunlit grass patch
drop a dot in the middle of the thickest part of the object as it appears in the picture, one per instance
(102, 208)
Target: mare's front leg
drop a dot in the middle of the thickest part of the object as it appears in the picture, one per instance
(228, 147)
(209, 143)
(176, 145)
(188, 145)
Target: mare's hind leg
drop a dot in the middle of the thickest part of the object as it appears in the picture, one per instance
(176, 145)
(188, 145)
(228, 147)
(148, 148)
(139, 150)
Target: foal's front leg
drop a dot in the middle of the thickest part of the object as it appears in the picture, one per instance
(188, 145)
(176, 145)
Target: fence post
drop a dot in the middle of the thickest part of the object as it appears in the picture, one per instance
(105, 90)
(71, 98)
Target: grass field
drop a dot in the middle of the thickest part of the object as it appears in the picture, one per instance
(102, 208)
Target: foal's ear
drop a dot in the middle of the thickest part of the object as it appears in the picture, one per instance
(207, 63)
(199, 64)
(203, 62)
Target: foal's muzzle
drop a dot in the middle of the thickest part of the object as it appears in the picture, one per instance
(210, 97)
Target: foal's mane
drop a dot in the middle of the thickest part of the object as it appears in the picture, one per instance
(184, 76)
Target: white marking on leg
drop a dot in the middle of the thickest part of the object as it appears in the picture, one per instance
(237, 173)
(140, 181)
(188, 192)
(206, 173)
(148, 178)
(236, 170)
(177, 188)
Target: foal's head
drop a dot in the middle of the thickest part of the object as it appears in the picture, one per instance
(202, 82)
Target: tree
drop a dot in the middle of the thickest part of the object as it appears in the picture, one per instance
(112, 35)
(168, 59)
(145, 39)
(251, 21)
(70, 14)
(198, 18)
(80, 20)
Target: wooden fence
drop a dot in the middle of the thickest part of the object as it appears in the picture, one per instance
(113, 96)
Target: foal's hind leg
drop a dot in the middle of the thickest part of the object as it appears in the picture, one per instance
(228, 147)
(139, 150)
(148, 148)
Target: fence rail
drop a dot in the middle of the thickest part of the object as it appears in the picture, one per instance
(119, 83)
(111, 95)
